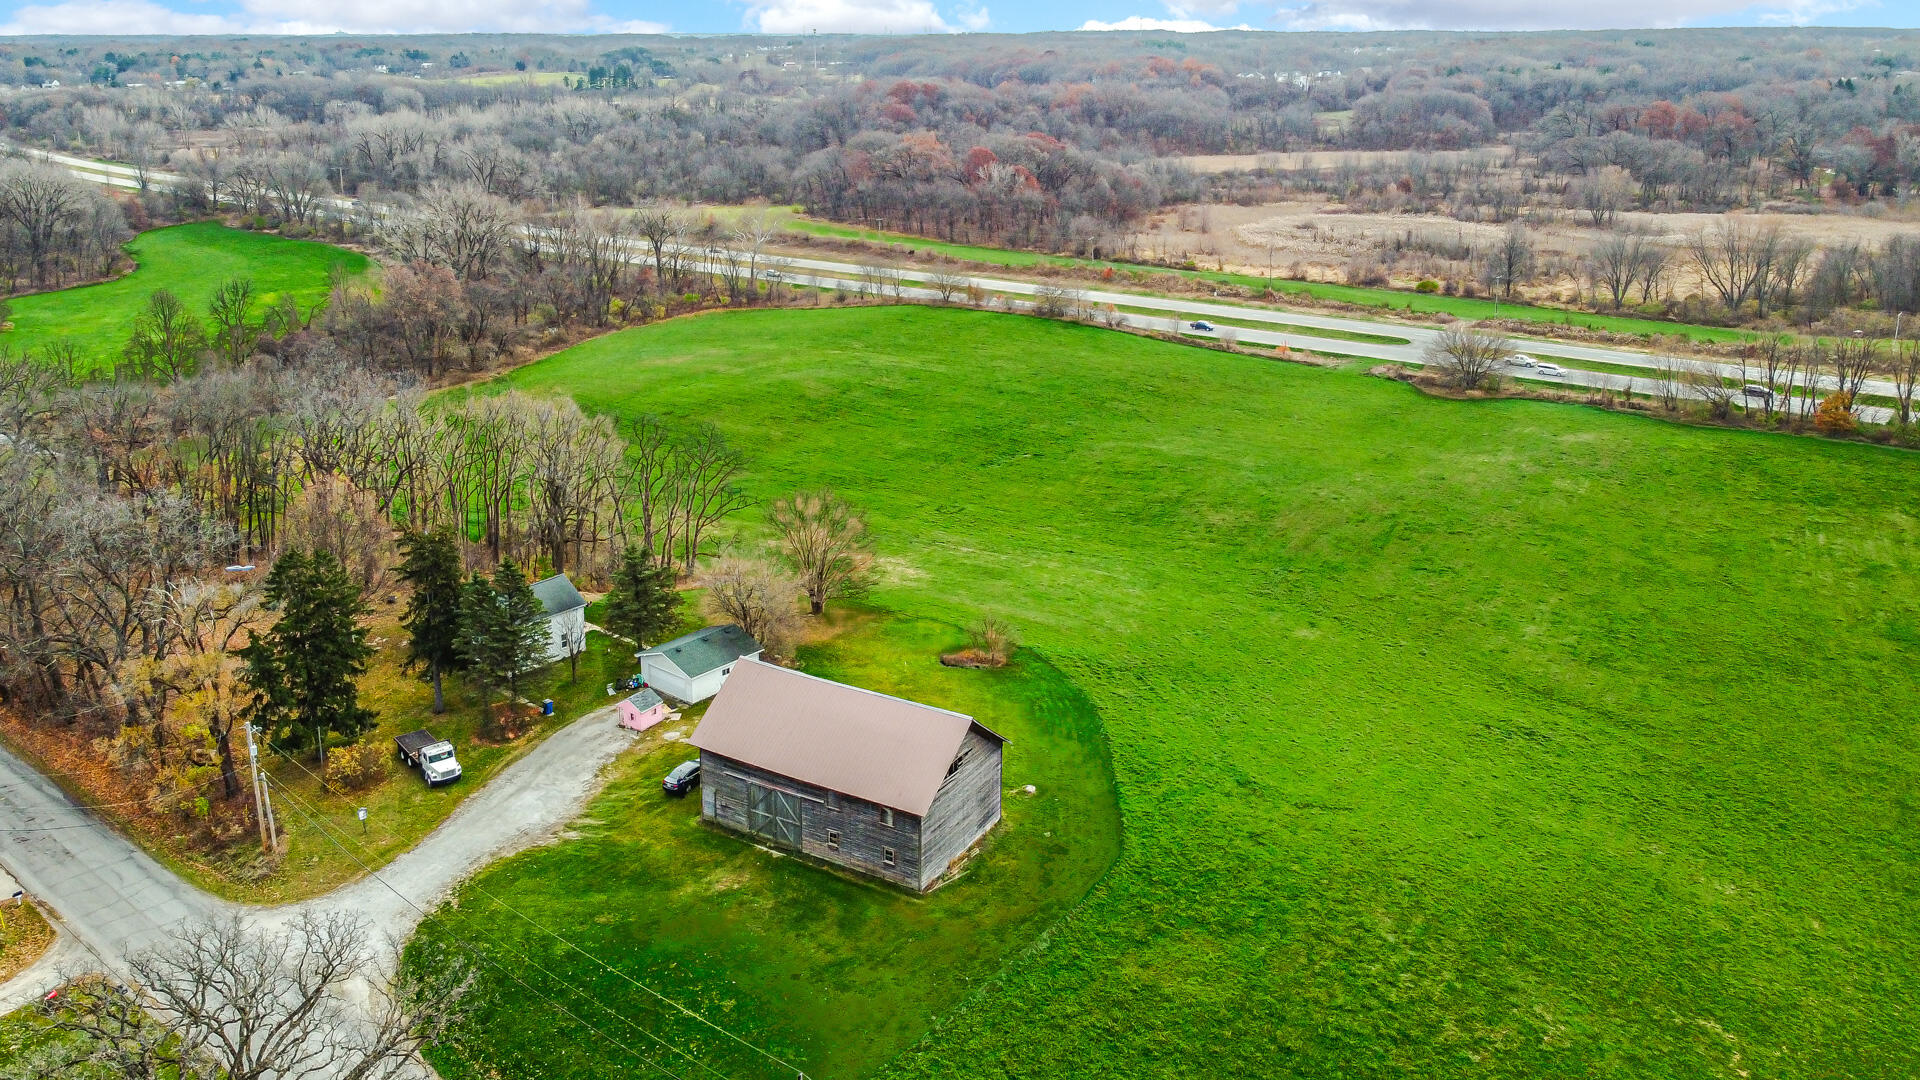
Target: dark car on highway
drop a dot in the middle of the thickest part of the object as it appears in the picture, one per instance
(682, 778)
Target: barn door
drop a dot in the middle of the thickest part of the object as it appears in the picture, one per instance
(774, 814)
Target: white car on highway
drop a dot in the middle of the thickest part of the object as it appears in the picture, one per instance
(1521, 359)
(1551, 371)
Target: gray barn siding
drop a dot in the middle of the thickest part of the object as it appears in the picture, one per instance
(864, 836)
(967, 805)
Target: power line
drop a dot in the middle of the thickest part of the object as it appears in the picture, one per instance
(158, 799)
(769, 1055)
(425, 915)
(301, 806)
(662, 998)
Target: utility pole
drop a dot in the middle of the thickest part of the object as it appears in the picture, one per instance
(262, 798)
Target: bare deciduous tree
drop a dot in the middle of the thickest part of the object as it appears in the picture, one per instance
(826, 540)
(1468, 358)
(1735, 260)
(948, 282)
(1905, 371)
(333, 516)
(312, 1000)
(756, 594)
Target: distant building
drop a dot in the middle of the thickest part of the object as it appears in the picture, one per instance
(642, 710)
(692, 668)
(878, 784)
(566, 616)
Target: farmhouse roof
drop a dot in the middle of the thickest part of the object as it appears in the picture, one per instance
(697, 653)
(886, 750)
(645, 699)
(558, 595)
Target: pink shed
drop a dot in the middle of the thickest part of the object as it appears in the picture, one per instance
(642, 710)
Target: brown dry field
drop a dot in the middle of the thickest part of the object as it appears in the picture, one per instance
(1323, 159)
(1316, 239)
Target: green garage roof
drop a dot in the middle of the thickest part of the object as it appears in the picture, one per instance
(703, 650)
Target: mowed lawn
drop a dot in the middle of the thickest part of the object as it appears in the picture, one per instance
(1452, 739)
(192, 260)
(829, 971)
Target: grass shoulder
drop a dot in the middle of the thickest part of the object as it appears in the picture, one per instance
(1383, 299)
(25, 934)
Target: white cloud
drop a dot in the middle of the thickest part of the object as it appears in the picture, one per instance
(974, 19)
(1143, 22)
(1187, 9)
(847, 17)
(1808, 12)
(112, 17)
(290, 17)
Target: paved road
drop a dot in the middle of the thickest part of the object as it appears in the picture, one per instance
(112, 899)
(834, 274)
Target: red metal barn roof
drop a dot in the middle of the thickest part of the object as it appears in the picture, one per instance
(886, 750)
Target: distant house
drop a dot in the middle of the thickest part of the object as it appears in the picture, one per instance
(566, 616)
(692, 668)
(878, 784)
(642, 710)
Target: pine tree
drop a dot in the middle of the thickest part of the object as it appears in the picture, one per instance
(524, 636)
(432, 566)
(642, 605)
(503, 630)
(480, 635)
(303, 668)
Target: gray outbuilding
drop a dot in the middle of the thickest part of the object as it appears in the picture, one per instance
(878, 784)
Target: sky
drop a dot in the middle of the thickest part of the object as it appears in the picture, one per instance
(918, 16)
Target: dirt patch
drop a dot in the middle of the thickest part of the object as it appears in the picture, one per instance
(972, 658)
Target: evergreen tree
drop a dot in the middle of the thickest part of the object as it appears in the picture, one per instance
(524, 635)
(432, 566)
(479, 634)
(503, 628)
(302, 669)
(642, 604)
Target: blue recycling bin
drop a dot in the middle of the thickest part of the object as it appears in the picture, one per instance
(546, 707)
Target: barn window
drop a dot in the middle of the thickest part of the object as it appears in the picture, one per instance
(833, 839)
(886, 816)
(726, 671)
(833, 800)
(886, 855)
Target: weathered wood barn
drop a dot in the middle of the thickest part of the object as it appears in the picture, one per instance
(878, 784)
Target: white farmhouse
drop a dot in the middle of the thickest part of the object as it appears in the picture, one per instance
(566, 617)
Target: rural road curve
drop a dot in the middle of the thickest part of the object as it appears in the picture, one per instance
(112, 899)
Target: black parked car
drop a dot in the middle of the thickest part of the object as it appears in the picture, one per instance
(682, 778)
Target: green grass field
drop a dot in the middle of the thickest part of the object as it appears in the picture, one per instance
(821, 968)
(192, 260)
(1363, 296)
(1488, 739)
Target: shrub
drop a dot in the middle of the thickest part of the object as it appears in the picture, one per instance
(356, 767)
(1836, 414)
(1427, 285)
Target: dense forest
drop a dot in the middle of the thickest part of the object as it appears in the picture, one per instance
(1050, 141)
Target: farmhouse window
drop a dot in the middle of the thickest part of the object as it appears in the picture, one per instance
(886, 816)
(833, 839)
(886, 855)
